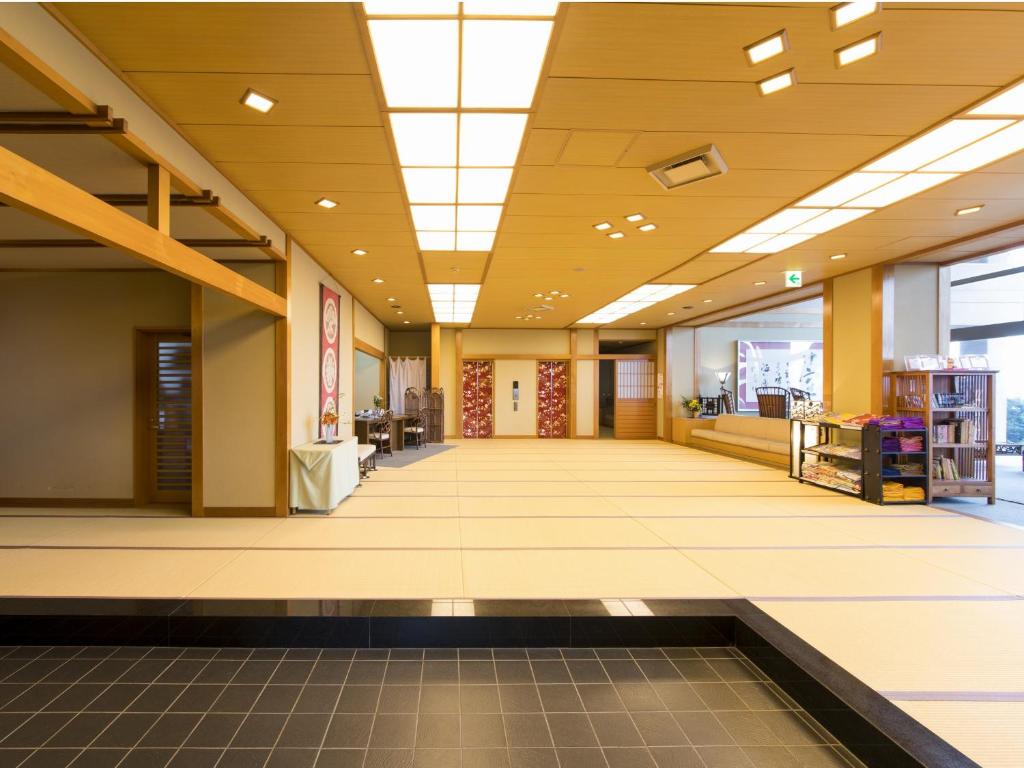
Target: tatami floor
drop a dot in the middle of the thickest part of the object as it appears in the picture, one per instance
(924, 605)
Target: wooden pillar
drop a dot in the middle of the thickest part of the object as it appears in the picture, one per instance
(666, 346)
(458, 382)
(435, 355)
(282, 382)
(158, 199)
(882, 336)
(573, 344)
(196, 314)
(826, 344)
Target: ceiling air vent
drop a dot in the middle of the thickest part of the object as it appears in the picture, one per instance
(689, 167)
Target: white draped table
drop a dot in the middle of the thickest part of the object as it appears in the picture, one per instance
(322, 475)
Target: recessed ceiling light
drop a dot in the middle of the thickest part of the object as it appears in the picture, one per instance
(519, 317)
(323, 202)
(1009, 102)
(937, 143)
(777, 82)
(554, 293)
(847, 13)
(847, 188)
(988, 150)
(392, 298)
(640, 298)
(633, 217)
(708, 301)
(784, 220)
(258, 101)
(765, 49)
(903, 187)
(453, 303)
(779, 243)
(643, 323)
(548, 298)
(405, 322)
(378, 280)
(969, 210)
(602, 226)
(358, 252)
(761, 282)
(400, 312)
(859, 50)
(670, 314)
(647, 227)
(538, 295)
(831, 220)
(616, 235)
(740, 243)
(837, 256)
(564, 296)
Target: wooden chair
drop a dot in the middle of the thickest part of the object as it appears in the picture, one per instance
(416, 428)
(380, 433)
(728, 406)
(772, 402)
(799, 395)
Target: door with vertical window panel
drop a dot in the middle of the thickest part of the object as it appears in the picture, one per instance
(477, 398)
(169, 417)
(552, 398)
(635, 403)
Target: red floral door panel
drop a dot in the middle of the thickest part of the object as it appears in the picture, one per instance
(477, 398)
(552, 398)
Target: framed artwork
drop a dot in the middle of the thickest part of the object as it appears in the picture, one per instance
(776, 364)
(330, 320)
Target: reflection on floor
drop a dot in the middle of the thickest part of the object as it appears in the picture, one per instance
(921, 604)
(444, 708)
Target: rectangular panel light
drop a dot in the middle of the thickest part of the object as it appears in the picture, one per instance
(474, 241)
(411, 7)
(436, 241)
(1009, 102)
(490, 139)
(739, 243)
(947, 138)
(433, 218)
(478, 218)
(484, 185)
(637, 299)
(779, 243)
(776, 82)
(425, 139)
(903, 187)
(514, 8)
(829, 221)
(501, 62)
(453, 303)
(847, 188)
(783, 221)
(857, 51)
(429, 185)
(847, 13)
(418, 61)
(767, 48)
(988, 150)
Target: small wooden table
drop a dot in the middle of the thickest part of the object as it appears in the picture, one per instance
(362, 429)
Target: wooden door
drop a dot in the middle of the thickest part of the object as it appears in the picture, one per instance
(552, 398)
(166, 411)
(635, 403)
(477, 398)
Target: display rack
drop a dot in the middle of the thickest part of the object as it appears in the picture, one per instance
(857, 461)
(957, 409)
(431, 403)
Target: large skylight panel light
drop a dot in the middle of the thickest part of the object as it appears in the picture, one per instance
(903, 187)
(739, 243)
(830, 220)
(484, 185)
(779, 243)
(436, 241)
(425, 139)
(936, 143)
(433, 218)
(429, 185)
(490, 139)
(411, 7)
(785, 220)
(478, 218)
(509, 8)
(453, 303)
(988, 150)
(418, 61)
(501, 62)
(640, 298)
(1009, 102)
(847, 188)
(474, 241)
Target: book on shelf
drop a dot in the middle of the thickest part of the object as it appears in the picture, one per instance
(959, 431)
(945, 469)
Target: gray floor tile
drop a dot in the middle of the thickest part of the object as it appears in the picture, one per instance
(197, 698)
(81, 731)
(304, 731)
(571, 730)
(438, 731)
(399, 699)
(440, 671)
(50, 758)
(341, 758)
(291, 673)
(439, 699)
(703, 729)
(659, 729)
(317, 699)
(527, 730)
(639, 697)
(479, 699)
(358, 699)
(719, 696)
(624, 671)
(127, 729)
(259, 730)
(676, 757)
(329, 672)
(277, 698)
(292, 758)
(237, 698)
(615, 729)
(519, 698)
(366, 673)
(477, 673)
(243, 758)
(437, 758)
(389, 758)
(629, 757)
(533, 758)
(512, 672)
(156, 698)
(150, 758)
(772, 757)
(747, 729)
(559, 698)
(350, 731)
(37, 730)
(195, 758)
(550, 671)
(483, 730)
(393, 732)
(582, 758)
(724, 757)
(791, 729)
(485, 758)
(403, 673)
(99, 758)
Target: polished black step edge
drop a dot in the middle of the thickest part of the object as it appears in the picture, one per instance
(868, 724)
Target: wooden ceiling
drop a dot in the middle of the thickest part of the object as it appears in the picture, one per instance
(628, 85)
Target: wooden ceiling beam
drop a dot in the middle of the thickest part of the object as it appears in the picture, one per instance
(194, 242)
(104, 116)
(141, 200)
(35, 190)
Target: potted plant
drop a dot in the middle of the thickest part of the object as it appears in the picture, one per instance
(693, 407)
(378, 403)
(330, 424)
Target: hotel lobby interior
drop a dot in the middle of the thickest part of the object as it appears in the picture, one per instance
(512, 384)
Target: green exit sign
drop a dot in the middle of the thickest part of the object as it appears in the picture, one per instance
(794, 279)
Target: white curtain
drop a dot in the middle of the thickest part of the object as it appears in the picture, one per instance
(404, 372)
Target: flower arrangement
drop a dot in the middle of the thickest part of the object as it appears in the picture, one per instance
(693, 406)
(378, 402)
(329, 418)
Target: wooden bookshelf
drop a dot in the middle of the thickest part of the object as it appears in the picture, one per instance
(961, 458)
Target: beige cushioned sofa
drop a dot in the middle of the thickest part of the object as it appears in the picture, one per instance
(754, 437)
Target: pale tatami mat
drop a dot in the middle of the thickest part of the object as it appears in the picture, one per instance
(921, 603)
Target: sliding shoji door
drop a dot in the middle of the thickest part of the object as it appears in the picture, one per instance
(635, 404)
(552, 398)
(477, 398)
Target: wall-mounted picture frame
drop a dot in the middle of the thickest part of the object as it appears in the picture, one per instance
(785, 364)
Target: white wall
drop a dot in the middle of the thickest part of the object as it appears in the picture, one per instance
(368, 328)
(367, 381)
(67, 389)
(521, 421)
(915, 311)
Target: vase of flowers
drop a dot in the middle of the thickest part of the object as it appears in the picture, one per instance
(329, 420)
(378, 403)
(693, 407)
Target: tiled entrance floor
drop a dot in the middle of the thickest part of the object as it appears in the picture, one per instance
(125, 707)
